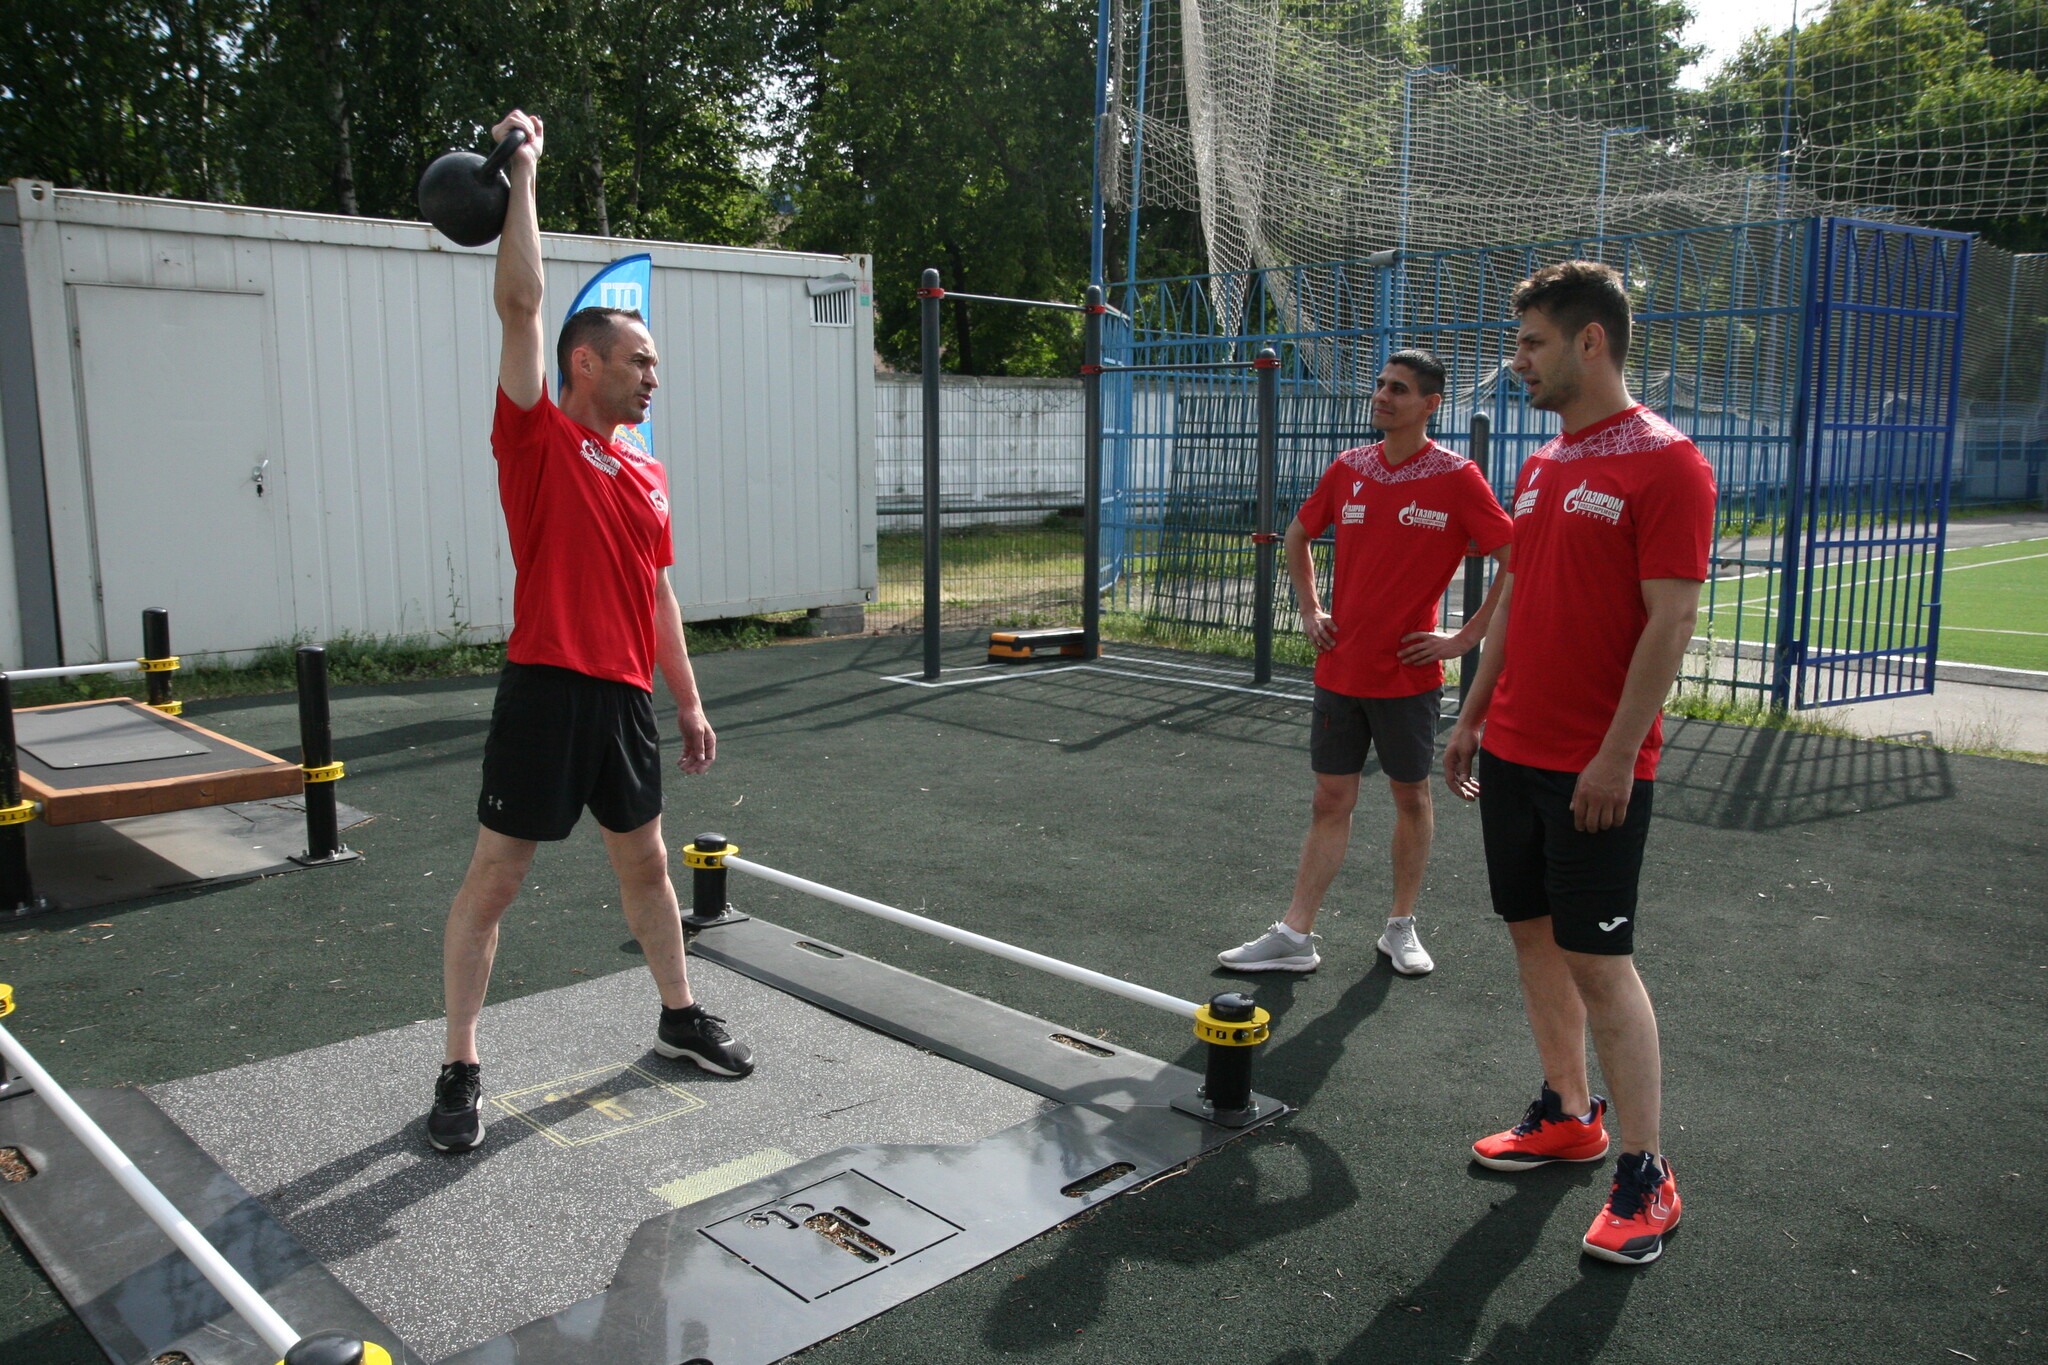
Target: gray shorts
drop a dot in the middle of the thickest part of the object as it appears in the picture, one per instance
(1401, 729)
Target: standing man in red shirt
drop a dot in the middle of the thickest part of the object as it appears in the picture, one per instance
(1614, 529)
(593, 617)
(1405, 510)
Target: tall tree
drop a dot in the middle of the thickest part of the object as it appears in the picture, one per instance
(122, 95)
(1614, 61)
(957, 134)
(1893, 102)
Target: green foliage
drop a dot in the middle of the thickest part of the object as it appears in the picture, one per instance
(374, 661)
(1615, 61)
(956, 134)
(337, 105)
(1893, 101)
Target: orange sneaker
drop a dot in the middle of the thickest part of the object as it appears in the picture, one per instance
(1641, 1208)
(1546, 1134)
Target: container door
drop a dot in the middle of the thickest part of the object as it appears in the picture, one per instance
(184, 482)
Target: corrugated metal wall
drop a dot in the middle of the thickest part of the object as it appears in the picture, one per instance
(380, 352)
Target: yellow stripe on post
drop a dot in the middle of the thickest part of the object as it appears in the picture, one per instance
(1249, 1033)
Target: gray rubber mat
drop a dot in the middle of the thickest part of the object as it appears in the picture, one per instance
(592, 1133)
(99, 737)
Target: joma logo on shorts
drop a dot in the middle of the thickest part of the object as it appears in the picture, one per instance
(1588, 503)
(1413, 515)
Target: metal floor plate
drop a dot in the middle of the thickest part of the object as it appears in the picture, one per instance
(638, 1211)
(591, 1134)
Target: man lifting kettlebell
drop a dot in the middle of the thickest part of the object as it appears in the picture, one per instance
(594, 618)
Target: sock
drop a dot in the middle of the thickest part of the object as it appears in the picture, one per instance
(1293, 935)
(689, 1011)
(1587, 1117)
(1400, 919)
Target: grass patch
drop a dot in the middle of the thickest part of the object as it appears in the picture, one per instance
(376, 661)
(1693, 699)
(1130, 627)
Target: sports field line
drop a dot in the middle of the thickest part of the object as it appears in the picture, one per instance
(1946, 570)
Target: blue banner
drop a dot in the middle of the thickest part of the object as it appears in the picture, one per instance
(625, 283)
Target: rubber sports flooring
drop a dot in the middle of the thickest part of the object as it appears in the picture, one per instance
(1845, 941)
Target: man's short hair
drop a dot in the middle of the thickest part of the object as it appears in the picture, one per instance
(1574, 293)
(592, 327)
(1428, 370)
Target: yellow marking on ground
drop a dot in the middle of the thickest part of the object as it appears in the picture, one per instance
(720, 1178)
(596, 1091)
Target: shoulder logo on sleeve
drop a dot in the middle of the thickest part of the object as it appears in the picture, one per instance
(659, 499)
(1525, 501)
(1415, 514)
(1588, 503)
(600, 459)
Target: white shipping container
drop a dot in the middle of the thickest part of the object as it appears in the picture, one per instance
(277, 425)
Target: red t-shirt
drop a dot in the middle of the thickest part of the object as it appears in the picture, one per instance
(588, 518)
(1402, 531)
(1596, 512)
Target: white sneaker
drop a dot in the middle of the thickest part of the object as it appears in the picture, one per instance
(1404, 949)
(1273, 951)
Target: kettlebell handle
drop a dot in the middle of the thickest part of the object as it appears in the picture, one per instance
(501, 154)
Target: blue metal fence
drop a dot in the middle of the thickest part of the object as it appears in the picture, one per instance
(1724, 316)
(1868, 492)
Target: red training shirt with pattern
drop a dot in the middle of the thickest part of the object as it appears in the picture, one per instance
(588, 519)
(1402, 531)
(1597, 512)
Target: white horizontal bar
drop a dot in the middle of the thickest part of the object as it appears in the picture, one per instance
(74, 670)
(277, 1334)
(1144, 995)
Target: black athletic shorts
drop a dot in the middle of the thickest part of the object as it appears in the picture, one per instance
(1403, 730)
(562, 740)
(1539, 864)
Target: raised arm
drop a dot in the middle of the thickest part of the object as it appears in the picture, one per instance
(516, 289)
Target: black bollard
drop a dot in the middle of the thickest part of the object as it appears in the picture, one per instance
(17, 888)
(336, 1348)
(1233, 1027)
(158, 663)
(708, 905)
(316, 757)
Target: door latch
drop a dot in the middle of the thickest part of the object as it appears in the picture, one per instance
(257, 476)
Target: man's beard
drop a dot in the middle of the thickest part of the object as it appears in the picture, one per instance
(1554, 396)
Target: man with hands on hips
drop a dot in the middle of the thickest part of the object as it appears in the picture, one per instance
(1406, 510)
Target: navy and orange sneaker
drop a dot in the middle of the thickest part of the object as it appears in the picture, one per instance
(1641, 1208)
(1546, 1134)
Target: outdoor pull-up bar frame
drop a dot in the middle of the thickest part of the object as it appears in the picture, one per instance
(1266, 366)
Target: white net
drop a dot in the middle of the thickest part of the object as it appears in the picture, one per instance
(1318, 130)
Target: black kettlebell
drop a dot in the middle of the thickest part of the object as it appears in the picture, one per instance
(464, 195)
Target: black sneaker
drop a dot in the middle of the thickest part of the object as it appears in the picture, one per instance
(456, 1122)
(701, 1037)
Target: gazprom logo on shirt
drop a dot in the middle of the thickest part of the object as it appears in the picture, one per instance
(1587, 503)
(1416, 515)
(1526, 502)
(599, 457)
(1352, 515)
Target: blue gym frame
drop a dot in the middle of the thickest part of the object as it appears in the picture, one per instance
(1816, 362)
